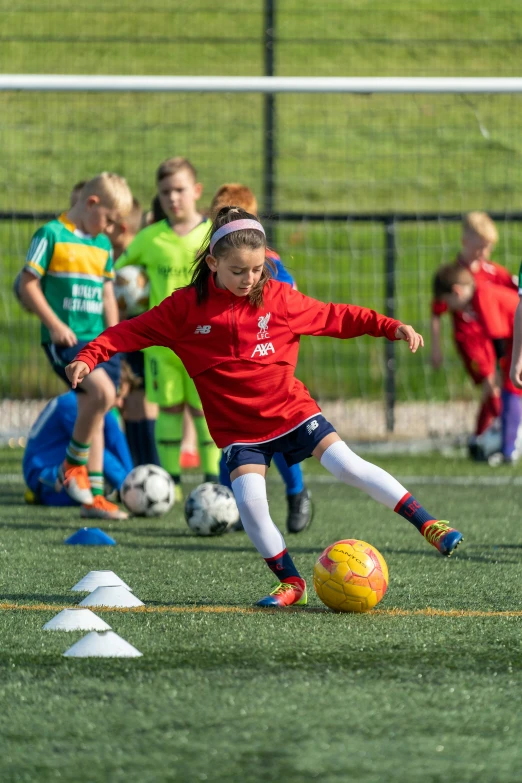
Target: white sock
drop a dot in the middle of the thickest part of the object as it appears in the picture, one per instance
(346, 466)
(250, 494)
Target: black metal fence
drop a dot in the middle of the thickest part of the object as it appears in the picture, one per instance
(390, 225)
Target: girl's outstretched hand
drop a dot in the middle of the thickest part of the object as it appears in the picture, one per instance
(409, 335)
(76, 372)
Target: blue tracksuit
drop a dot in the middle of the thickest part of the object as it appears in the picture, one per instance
(48, 440)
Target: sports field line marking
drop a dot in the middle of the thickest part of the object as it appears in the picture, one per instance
(428, 612)
(456, 481)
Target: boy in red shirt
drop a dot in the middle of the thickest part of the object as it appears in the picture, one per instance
(479, 236)
(493, 308)
(237, 332)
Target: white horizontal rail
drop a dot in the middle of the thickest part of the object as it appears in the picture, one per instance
(259, 84)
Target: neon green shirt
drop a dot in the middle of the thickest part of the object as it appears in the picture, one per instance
(72, 268)
(166, 257)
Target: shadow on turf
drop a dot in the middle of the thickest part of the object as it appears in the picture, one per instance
(491, 556)
(41, 598)
(44, 525)
(247, 548)
(10, 499)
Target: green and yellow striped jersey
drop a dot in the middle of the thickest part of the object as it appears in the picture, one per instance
(72, 268)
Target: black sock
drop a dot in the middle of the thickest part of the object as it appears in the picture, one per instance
(132, 430)
(148, 442)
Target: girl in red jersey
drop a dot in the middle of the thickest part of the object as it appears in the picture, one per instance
(237, 332)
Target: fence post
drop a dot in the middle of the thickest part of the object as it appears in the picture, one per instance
(269, 119)
(390, 257)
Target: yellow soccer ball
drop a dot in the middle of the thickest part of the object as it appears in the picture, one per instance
(351, 576)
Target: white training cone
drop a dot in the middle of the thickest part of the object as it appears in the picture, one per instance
(102, 645)
(111, 596)
(76, 620)
(95, 579)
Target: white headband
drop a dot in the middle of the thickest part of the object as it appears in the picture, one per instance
(235, 225)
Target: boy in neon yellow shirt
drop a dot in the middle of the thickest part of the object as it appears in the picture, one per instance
(167, 250)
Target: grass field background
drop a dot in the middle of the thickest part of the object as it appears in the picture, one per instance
(223, 693)
(350, 154)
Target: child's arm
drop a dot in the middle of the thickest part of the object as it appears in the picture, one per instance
(516, 358)
(309, 316)
(410, 336)
(31, 292)
(110, 305)
(436, 351)
(158, 326)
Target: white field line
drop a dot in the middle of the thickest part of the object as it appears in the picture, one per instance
(447, 481)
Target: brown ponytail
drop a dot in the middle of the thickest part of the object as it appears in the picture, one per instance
(247, 237)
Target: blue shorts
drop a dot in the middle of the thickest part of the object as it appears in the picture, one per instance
(295, 446)
(62, 355)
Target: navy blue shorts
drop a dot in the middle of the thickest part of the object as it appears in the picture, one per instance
(62, 355)
(295, 446)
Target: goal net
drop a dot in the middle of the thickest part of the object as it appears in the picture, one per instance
(367, 182)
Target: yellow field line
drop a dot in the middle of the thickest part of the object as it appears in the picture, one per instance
(428, 612)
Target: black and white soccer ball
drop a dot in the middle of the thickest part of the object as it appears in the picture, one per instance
(211, 510)
(148, 491)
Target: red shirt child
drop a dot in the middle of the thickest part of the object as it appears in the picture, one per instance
(473, 345)
(237, 332)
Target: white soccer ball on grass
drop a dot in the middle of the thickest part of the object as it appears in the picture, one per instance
(148, 491)
(211, 510)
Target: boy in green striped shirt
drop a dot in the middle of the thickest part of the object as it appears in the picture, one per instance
(67, 283)
(167, 250)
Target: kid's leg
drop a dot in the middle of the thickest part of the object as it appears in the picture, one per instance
(511, 410)
(82, 471)
(164, 386)
(209, 453)
(169, 431)
(298, 497)
(189, 445)
(96, 397)
(140, 422)
(249, 487)
(349, 468)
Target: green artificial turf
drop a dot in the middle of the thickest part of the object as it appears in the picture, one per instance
(296, 696)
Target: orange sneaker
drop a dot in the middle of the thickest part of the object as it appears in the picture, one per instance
(189, 459)
(101, 508)
(74, 479)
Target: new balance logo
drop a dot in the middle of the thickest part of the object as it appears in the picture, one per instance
(313, 425)
(263, 349)
(202, 329)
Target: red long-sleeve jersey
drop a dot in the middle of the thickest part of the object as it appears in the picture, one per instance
(242, 358)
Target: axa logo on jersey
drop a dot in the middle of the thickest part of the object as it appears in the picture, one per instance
(263, 349)
(203, 329)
